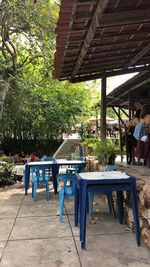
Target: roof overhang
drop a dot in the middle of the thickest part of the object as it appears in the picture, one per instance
(102, 38)
(135, 90)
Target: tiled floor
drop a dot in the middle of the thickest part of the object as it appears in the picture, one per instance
(30, 235)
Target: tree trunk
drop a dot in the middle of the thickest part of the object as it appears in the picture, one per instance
(4, 88)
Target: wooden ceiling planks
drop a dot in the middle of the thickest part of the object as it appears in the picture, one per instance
(102, 4)
(96, 38)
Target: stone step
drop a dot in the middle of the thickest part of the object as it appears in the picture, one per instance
(67, 148)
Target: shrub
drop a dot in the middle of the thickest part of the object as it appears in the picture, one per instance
(7, 175)
(105, 149)
(102, 150)
(91, 143)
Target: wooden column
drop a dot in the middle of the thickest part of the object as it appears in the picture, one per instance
(120, 135)
(96, 122)
(103, 109)
(131, 106)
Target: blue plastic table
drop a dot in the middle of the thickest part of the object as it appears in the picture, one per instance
(52, 165)
(104, 182)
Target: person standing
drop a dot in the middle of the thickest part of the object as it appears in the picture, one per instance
(142, 148)
(131, 141)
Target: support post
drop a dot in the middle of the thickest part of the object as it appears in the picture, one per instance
(120, 135)
(96, 122)
(131, 105)
(103, 109)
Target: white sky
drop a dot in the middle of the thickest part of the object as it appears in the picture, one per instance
(113, 82)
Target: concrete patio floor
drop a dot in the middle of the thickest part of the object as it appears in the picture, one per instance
(30, 235)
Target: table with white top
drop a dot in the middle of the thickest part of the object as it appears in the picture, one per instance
(53, 166)
(104, 182)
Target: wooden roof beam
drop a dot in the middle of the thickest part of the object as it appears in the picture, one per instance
(102, 4)
(85, 3)
(95, 76)
(116, 4)
(124, 18)
(113, 98)
(144, 51)
(119, 18)
(70, 25)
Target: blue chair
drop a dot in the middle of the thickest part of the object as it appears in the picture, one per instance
(39, 176)
(44, 158)
(109, 196)
(66, 187)
(73, 169)
(111, 168)
(48, 159)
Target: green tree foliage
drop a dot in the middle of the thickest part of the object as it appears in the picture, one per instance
(45, 111)
(26, 34)
(36, 105)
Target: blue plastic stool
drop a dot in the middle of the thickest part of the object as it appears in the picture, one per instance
(111, 168)
(68, 186)
(75, 168)
(39, 176)
(110, 203)
(49, 159)
(65, 190)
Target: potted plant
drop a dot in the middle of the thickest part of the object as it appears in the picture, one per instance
(90, 145)
(106, 152)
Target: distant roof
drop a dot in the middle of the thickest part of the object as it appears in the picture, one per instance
(136, 88)
(95, 118)
(102, 38)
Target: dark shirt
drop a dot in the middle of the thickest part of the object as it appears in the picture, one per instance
(131, 136)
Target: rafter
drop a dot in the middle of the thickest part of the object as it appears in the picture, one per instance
(125, 18)
(90, 34)
(102, 38)
(70, 25)
(144, 51)
(132, 87)
(116, 4)
(108, 74)
(117, 18)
